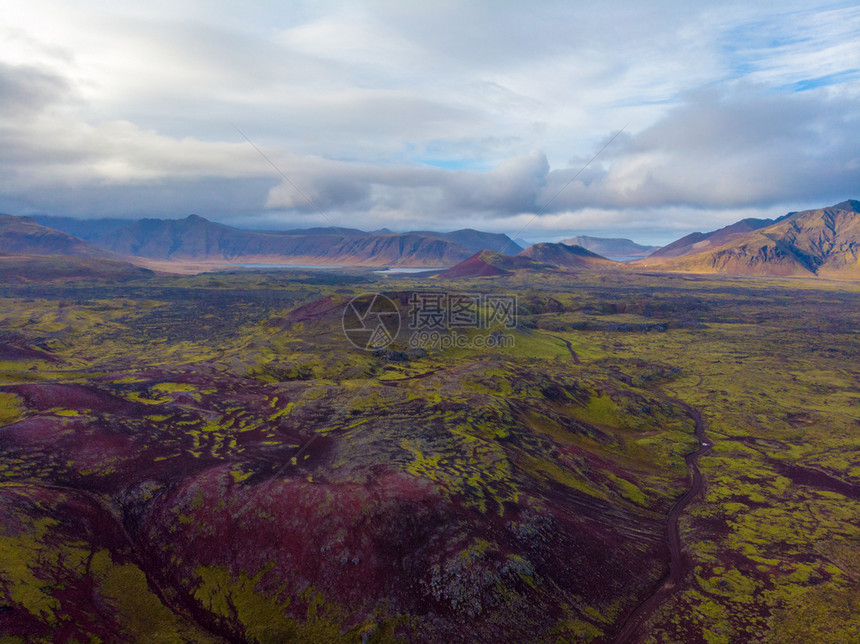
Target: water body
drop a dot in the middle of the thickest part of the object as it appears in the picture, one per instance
(410, 270)
(289, 266)
(322, 267)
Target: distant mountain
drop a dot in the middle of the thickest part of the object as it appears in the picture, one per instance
(489, 263)
(107, 233)
(30, 252)
(25, 269)
(537, 257)
(86, 229)
(391, 250)
(564, 256)
(610, 246)
(823, 242)
(476, 240)
(23, 236)
(95, 229)
(323, 230)
(699, 242)
(197, 239)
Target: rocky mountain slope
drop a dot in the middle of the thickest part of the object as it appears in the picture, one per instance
(564, 256)
(23, 236)
(488, 263)
(700, 242)
(196, 238)
(823, 242)
(537, 257)
(30, 252)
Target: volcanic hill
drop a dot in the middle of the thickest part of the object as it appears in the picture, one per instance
(537, 257)
(564, 256)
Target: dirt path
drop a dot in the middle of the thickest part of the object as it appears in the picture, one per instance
(672, 579)
(573, 355)
(395, 381)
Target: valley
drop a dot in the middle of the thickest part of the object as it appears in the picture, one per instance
(656, 458)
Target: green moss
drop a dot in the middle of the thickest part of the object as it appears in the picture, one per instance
(72, 413)
(820, 615)
(628, 490)
(262, 619)
(11, 409)
(473, 467)
(140, 612)
(173, 387)
(240, 475)
(283, 411)
(20, 556)
(136, 397)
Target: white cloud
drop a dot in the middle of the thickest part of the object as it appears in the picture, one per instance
(120, 108)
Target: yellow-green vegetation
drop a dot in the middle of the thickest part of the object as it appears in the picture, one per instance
(774, 399)
(173, 387)
(143, 616)
(133, 397)
(260, 618)
(38, 562)
(20, 557)
(471, 465)
(11, 409)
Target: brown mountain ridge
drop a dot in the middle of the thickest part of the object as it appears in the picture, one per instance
(23, 236)
(823, 242)
(195, 238)
(30, 252)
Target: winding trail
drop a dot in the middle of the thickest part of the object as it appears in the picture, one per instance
(675, 575)
(671, 581)
(395, 381)
(573, 355)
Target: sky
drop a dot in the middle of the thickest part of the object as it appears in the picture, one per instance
(541, 119)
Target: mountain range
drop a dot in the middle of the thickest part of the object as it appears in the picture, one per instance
(197, 239)
(822, 242)
(611, 246)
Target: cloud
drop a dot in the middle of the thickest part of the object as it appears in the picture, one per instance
(509, 188)
(721, 148)
(728, 148)
(429, 114)
(25, 89)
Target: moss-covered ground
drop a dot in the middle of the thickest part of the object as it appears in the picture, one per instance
(208, 459)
